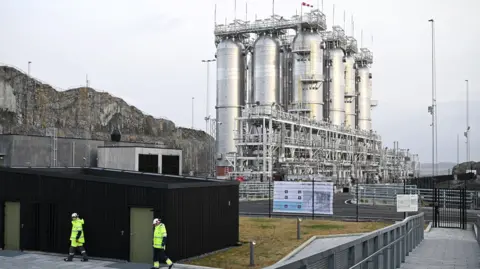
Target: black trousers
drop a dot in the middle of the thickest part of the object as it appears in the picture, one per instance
(159, 255)
(81, 249)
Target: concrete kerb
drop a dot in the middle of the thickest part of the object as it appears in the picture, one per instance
(313, 238)
(475, 230)
(429, 227)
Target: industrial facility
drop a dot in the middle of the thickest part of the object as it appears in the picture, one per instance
(294, 100)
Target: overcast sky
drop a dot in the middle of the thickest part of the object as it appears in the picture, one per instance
(149, 53)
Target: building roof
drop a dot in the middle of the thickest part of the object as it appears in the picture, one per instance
(130, 178)
(137, 146)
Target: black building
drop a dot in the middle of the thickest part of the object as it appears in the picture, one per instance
(118, 207)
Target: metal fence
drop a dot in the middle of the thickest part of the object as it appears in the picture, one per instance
(387, 195)
(450, 208)
(386, 248)
(252, 191)
(381, 193)
(373, 194)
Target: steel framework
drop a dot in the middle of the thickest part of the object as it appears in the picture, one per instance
(272, 143)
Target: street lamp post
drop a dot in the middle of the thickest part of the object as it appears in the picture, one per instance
(213, 148)
(29, 63)
(433, 108)
(193, 99)
(207, 112)
(467, 132)
(468, 126)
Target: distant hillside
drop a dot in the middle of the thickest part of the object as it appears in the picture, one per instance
(28, 107)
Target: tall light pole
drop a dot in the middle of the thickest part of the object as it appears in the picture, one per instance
(29, 63)
(458, 149)
(193, 99)
(433, 108)
(207, 105)
(468, 127)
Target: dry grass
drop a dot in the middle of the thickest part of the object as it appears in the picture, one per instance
(276, 238)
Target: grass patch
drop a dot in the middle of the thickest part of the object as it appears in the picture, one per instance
(276, 238)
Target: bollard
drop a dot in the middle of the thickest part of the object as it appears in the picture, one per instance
(252, 261)
(298, 228)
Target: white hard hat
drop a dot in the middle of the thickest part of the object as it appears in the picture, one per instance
(74, 215)
(156, 221)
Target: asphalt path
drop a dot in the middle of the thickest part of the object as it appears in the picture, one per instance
(343, 210)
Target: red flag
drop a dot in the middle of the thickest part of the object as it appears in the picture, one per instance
(303, 4)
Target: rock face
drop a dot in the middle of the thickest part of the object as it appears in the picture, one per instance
(463, 167)
(29, 107)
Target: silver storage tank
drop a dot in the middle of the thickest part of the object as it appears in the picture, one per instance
(350, 92)
(337, 87)
(230, 95)
(266, 69)
(249, 78)
(307, 89)
(364, 98)
(281, 66)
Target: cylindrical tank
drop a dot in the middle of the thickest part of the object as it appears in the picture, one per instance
(308, 73)
(266, 68)
(350, 92)
(249, 79)
(337, 87)
(364, 98)
(281, 66)
(230, 95)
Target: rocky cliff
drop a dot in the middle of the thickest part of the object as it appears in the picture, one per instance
(28, 106)
(463, 167)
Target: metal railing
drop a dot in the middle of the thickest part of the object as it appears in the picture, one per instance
(381, 193)
(386, 248)
(387, 194)
(252, 191)
(263, 111)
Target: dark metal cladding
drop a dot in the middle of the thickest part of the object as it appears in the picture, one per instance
(2, 214)
(201, 215)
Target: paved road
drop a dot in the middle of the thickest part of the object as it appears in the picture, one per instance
(445, 249)
(341, 210)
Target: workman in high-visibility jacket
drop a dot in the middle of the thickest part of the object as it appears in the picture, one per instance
(160, 244)
(77, 239)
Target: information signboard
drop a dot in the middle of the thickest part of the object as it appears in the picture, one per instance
(303, 197)
(407, 202)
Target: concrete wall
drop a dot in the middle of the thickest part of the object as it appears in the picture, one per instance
(160, 152)
(126, 158)
(23, 150)
(118, 158)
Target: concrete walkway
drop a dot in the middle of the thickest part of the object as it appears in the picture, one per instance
(321, 244)
(445, 249)
(24, 260)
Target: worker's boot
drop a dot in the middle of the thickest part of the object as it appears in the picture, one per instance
(71, 253)
(84, 254)
(70, 257)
